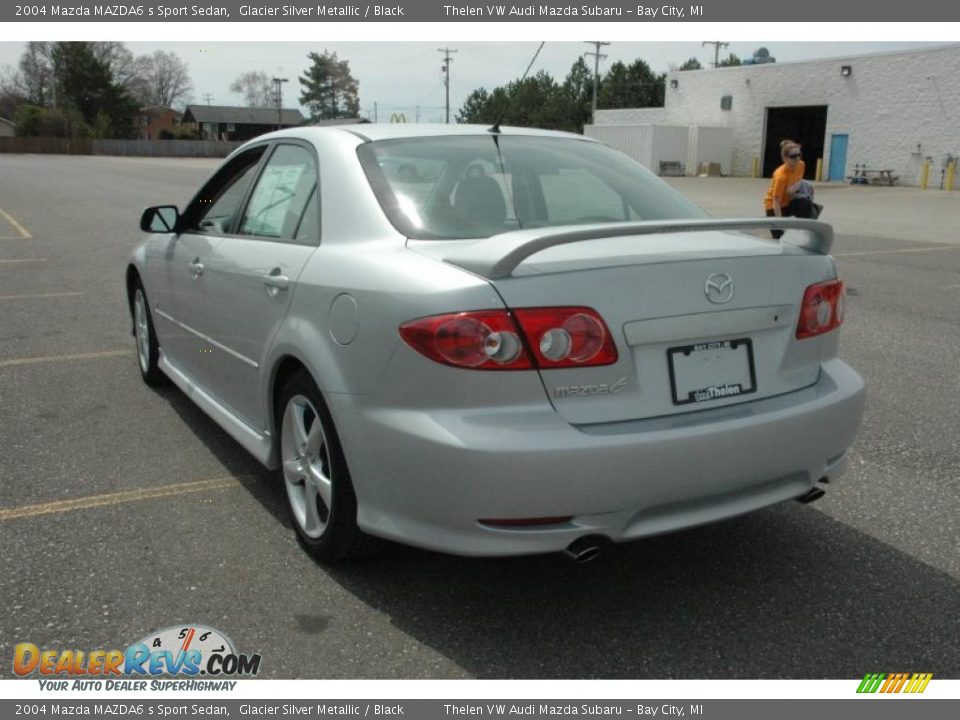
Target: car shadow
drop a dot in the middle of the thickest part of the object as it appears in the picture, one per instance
(262, 484)
(783, 593)
(787, 592)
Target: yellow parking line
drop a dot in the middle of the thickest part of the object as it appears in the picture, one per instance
(64, 358)
(24, 260)
(939, 248)
(40, 295)
(117, 498)
(24, 235)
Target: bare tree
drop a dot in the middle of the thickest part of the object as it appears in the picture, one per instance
(168, 79)
(33, 81)
(255, 88)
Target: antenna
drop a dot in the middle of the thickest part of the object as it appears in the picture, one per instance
(495, 128)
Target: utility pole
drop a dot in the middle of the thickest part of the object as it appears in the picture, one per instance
(596, 73)
(446, 76)
(207, 98)
(716, 50)
(279, 83)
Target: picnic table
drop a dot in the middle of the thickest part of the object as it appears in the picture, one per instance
(867, 176)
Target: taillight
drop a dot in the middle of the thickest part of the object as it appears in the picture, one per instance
(567, 337)
(822, 308)
(495, 340)
(484, 340)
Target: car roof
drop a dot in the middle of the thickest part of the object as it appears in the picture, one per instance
(391, 131)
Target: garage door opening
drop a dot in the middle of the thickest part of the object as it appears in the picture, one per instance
(806, 125)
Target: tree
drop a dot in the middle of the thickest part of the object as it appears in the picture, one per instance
(730, 61)
(85, 83)
(35, 78)
(576, 97)
(632, 86)
(167, 79)
(533, 102)
(329, 91)
(477, 108)
(691, 64)
(255, 88)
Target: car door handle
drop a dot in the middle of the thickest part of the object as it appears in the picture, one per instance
(278, 282)
(196, 268)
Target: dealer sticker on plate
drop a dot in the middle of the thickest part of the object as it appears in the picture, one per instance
(711, 371)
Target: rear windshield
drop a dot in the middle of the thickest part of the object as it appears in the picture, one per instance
(478, 186)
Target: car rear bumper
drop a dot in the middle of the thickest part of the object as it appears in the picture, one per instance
(427, 478)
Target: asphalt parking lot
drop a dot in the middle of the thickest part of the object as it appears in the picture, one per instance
(125, 510)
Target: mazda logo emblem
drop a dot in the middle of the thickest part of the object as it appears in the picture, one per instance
(719, 288)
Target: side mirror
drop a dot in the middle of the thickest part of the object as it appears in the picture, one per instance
(160, 219)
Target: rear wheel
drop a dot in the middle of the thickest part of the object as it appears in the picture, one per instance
(148, 350)
(320, 496)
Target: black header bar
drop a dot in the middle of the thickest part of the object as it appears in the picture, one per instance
(455, 11)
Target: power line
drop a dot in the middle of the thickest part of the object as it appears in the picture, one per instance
(596, 73)
(716, 50)
(446, 77)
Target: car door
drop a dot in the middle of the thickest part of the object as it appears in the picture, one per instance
(178, 271)
(253, 272)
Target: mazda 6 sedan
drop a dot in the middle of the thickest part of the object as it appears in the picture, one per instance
(494, 341)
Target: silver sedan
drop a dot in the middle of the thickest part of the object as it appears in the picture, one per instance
(494, 341)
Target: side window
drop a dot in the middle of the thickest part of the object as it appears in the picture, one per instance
(281, 195)
(578, 195)
(216, 205)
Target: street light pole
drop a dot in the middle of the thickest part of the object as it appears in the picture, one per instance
(279, 83)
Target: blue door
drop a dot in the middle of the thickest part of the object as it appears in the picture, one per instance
(838, 157)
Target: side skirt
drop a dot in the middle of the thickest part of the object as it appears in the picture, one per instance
(258, 444)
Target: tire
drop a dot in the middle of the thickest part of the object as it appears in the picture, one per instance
(320, 497)
(148, 351)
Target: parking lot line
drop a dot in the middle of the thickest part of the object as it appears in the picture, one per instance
(4, 261)
(64, 358)
(117, 498)
(938, 248)
(24, 235)
(40, 296)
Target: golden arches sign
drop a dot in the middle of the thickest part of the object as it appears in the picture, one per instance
(398, 118)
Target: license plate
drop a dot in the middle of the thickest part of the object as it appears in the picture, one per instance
(713, 370)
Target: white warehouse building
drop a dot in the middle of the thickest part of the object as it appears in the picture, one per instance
(888, 111)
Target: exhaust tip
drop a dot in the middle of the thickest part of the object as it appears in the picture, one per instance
(587, 548)
(810, 495)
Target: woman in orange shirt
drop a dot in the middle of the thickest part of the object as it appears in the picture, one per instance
(779, 201)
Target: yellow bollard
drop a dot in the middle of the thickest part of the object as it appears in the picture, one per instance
(951, 174)
(756, 166)
(924, 175)
(819, 175)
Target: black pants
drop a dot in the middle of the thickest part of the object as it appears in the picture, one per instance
(800, 207)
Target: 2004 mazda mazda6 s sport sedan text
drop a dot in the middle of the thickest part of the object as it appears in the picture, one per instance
(494, 341)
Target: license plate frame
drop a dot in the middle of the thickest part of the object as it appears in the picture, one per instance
(728, 363)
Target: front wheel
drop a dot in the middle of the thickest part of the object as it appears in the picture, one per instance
(320, 496)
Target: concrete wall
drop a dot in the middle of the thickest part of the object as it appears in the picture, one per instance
(890, 105)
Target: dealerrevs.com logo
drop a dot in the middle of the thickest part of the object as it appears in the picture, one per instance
(181, 652)
(910, 683)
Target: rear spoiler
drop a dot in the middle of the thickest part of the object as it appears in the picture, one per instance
(498, 256)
